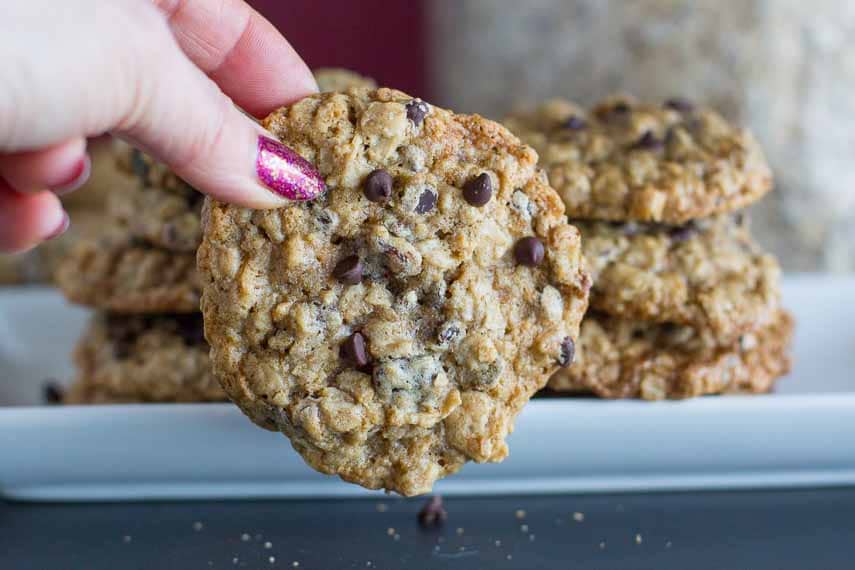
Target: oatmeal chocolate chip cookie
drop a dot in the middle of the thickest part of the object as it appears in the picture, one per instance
(337, 79)
(157, 358)
(708, 274)
(620, 358)
(166, 218)
(626, 161)
(395, 326)
(129, 276)
(161, 209)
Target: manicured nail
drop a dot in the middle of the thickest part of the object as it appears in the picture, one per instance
(78, 177)
(61, 227)
(286, 172)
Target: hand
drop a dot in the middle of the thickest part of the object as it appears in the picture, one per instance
(165, 75)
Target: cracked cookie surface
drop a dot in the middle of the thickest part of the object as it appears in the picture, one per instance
(152, 358)
(628, 161)
(708, 274)
(620, 358)
(394, 327)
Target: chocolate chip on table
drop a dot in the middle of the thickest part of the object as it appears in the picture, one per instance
(682, 233)
(433, 513)
(427, 201)
(417, 110)
(378, 186)
(478, 191)
(529, 251)
(679, 104)
(574, 123)
(349, 270)
(353, 350)
(52, 392)
(648, 141)
(567, 352)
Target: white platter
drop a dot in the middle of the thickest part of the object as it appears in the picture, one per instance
(803, 434)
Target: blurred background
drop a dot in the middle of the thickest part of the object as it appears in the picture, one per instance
(782, 67)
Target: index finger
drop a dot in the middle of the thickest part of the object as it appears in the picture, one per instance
(241, 51)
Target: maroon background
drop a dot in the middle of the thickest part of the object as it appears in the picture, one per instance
(384, 39)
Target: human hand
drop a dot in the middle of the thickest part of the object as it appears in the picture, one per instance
(165, 75)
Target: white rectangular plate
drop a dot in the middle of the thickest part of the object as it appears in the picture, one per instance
(803, 434)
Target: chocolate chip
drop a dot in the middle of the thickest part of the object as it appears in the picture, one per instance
(620, 108)
(739, 219)
(568, 351)
(349, 270)
(449, 333)
(139, 165)
(353, 350)
(378, 186)
(529, 251)
(433, 513)
(682, 233)
(478, 191)
(574, 123)
(680, 104)
(427, 201)
(648, 141)
(52, 392)
(417, 110)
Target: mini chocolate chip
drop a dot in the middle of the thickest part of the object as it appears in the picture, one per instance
(353, 350)
(416, 111)
(739, 219)
(574, 123)
(568, 351)
(349, 270)
(648, 141)
(682, 233)
(378, 186)
(433, 513)
(139, 165)
(529, 251)
(427, 201)
(52, 392)
(478, 191)
(680, 104)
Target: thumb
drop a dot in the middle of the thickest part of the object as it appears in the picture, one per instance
(182, 117)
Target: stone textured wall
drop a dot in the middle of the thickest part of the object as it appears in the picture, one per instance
(786, 68)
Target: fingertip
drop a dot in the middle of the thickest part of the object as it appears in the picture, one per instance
(26, 220)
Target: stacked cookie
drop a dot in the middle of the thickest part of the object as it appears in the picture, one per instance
(145, 343)
(684, 302)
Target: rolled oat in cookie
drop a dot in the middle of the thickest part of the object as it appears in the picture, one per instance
(629, 161)
(144, 358)
(620, 358)
(708, 274)
(391, 328)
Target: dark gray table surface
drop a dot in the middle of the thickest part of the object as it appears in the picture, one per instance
(803, 529)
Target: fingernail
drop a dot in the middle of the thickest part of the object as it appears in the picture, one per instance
(78, 177)
(286, 172)
(61, 227)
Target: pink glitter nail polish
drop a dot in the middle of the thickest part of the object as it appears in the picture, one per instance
(286, 172)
